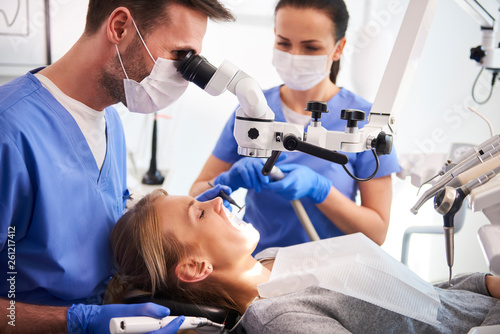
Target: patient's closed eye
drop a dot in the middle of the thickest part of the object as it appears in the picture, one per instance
(202, 214)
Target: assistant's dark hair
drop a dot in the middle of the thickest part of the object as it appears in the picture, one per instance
(148, 13)
(336, 10)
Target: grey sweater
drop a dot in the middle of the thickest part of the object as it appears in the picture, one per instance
(316, 310)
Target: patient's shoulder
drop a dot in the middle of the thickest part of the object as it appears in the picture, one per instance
(298, 312)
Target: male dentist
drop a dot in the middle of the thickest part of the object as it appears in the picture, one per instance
(63, 161)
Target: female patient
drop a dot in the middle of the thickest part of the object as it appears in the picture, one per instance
(182, 249)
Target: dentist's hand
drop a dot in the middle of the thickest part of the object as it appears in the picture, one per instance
(245, 173)
(300, 181)
(95, 318)
(214, 192)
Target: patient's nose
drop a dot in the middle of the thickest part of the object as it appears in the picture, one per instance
(217, 202)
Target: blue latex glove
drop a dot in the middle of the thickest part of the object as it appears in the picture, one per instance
(214, 192)
(245, 173)
(95, 318)
(300, 181)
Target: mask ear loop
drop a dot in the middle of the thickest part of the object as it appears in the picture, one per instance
(121, 63)
(142, 40)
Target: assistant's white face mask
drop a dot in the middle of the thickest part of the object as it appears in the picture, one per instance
(301, 72)
(163, 86)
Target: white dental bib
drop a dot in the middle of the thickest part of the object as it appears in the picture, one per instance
(355, 266)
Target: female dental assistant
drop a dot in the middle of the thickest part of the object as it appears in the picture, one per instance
(309, 40)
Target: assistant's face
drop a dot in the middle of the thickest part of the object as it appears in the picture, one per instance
(205, 226)
(304, 32)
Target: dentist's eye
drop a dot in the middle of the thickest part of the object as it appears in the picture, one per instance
(180, 54)
(202, 214)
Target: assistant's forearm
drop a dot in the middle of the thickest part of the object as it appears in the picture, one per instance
(351, 218)
(27, 318)
(199, 186)
(212, 168)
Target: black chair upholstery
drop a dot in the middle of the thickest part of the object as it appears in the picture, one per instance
(225, 316)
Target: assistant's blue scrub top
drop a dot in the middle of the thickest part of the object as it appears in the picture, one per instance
(57, 209)
(274, 216)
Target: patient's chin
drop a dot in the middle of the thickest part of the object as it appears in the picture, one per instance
(252, 235)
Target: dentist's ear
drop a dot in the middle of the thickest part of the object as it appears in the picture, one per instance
(191, 270)
(118, 25)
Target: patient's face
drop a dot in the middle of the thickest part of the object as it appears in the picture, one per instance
(206, 226)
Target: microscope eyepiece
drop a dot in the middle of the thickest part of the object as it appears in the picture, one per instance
(197, 69)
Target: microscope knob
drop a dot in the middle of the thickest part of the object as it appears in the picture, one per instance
(352, 116)
(253, 133)
(382, 144)
(316, 108)
(477, 53)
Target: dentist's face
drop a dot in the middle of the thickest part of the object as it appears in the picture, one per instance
(183, 32)
(205, 227)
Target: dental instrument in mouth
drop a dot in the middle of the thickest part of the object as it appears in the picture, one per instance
(228, 198)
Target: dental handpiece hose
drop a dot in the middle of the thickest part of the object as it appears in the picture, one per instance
(277, 174)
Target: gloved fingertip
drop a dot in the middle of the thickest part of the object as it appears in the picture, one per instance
(158, 311)
(177, 322)
(226, 189)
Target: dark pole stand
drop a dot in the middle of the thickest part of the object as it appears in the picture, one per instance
(153, 176)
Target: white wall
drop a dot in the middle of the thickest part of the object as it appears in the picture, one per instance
(434, 116)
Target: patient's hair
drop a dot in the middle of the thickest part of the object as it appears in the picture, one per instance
(148, 13)
(336, 10)
(146, 257)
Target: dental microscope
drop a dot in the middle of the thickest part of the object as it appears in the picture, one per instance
(259, 136)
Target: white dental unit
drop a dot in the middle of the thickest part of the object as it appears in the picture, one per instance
(258, 135)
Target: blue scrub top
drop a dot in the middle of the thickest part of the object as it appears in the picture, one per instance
(57, 209)
(274, 216)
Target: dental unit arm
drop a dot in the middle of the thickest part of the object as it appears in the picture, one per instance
(481, 163)
(487, 55)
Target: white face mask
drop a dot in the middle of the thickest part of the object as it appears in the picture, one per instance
(163, 86)
(301, 72)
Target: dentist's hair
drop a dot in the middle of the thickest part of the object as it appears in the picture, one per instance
(149, 13)
(146, 256)
(336, 10)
